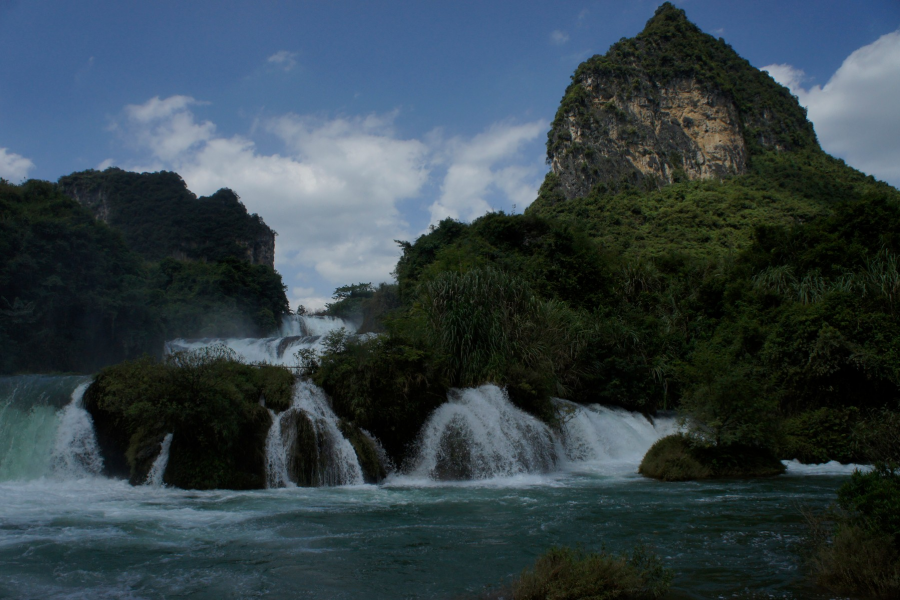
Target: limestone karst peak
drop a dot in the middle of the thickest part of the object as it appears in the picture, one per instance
(671, 104)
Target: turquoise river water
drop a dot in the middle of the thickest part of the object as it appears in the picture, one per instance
(66, 532)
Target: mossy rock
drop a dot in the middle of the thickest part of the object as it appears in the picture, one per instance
(677, 458)
(212, 404)
(238, 465)
(306, 462)
(143, 449)
(373, 468)
(112, 438)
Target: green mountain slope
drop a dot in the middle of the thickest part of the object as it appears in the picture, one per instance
(74, 297)
(691, 248)
(160, 217)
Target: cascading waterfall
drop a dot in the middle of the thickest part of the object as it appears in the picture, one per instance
(479, 434)
(155, 476)
(296, 332)
(277, 444)
(30, 408)
(334, 458)
(386, 463)
(75, 451)
(595, 433)
(45, 430)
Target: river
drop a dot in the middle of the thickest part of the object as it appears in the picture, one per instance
(67, 532)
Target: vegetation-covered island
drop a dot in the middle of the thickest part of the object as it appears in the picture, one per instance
(692, 250)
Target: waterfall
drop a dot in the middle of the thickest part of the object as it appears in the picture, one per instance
(384, 460)
(305, 444)
(600, 434)
(75, 450)
(155, 476)
(479, 434)
(29, 418)
(296, 332)
(276, 453)
(306, 325)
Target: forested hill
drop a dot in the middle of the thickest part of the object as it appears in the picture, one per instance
(75, 297)
(671, 142)
(692, 248)
(160, 217)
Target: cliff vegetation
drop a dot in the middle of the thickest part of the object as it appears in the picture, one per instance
(75, 297)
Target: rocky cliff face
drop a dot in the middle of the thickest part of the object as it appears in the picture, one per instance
(159, 217)
(671, 104)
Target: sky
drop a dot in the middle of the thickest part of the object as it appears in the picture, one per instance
(349, 125)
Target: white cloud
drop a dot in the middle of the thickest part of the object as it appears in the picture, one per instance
(481, 165)
(308, 298)
(332, 193)
(283, 59)
(559, 37)
(166, 127)
(331, 196)
(855, 114)
(14, 167)
(787, 76)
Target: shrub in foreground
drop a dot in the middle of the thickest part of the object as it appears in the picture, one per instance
(856, 550)
(679, 457)
(566, 574)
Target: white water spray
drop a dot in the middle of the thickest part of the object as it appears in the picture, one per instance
(276, 453)
(600, 434)
(155, 476)
(337, 460)
(479, 434)
(75, 451)
(297, 332)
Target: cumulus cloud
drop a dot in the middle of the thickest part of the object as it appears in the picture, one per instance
(559, 37)
(166, 127)
(486, 163)
(333, 191)
(855, 113)
(14, 167)
(283, 59)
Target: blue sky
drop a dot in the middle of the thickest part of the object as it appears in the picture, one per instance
(347, 125)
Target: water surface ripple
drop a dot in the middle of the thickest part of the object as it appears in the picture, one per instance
(99, 538)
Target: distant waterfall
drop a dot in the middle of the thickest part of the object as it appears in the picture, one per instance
(296, 332)
(479, 434)
(75, 451)
(155, 476)
(305, 445)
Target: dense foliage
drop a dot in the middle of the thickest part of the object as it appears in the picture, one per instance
(159, 216)
(786, 342)
(214, 406)
(387, 385)
(75, 297)
(709, 218)
(856, 549)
